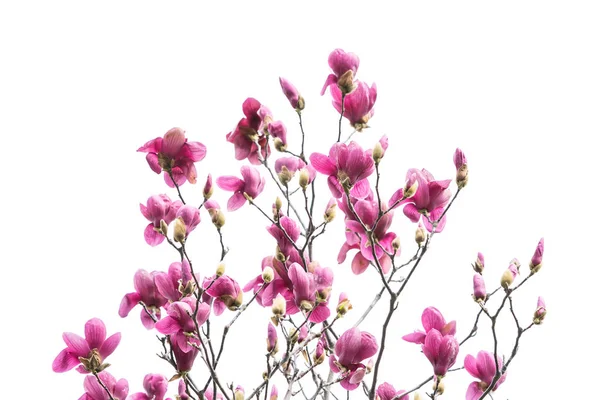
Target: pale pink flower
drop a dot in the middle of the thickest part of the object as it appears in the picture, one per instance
(386, 391)
(431, 318)
(155, 386)
(157, 208)
(479, 292)
(351, 349)
(483, 368)
(340, 63)
(441, 351)
(358, 105)
(251, 184)
(95, 345)
(147, 293)
(173, 153)
(347, 166)
(94, 391)
(430, 199)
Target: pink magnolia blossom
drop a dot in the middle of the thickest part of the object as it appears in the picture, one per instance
(190, 216)
(175, 155)
(291, 93)
(184, 360)
(291, 165)
(356, 237)
(351, 349)
(179, 323)
(311, 290)
(347, 167)
(340, 63)
(358, 105)
(287, 229)
(87, 354)
(155, 386)
(147, 293)
(479, 292)
(462, 171)
(171, 285)
(225, 292)
(251, 184)
(441, 351)
(247, 137)
(479, 263)
(157, 208)
(431, 318)
(483, 368)
(94, 391)
(386, 391)
(271, 339)
(430, 199)
(536, 261)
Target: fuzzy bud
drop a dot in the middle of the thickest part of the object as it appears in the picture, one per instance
(164, 228)
(268, 275)
(279, 145)
(330, 211)
(238, 394)
(278, 205)
(274, 393)
(346, 82)
(536, 261)
(279, 306)
(344, 305)
(462, 171)
(319, 355)
(272, 340)
(420, 234)
(509, 275)
(377, 153)
(438, 387)
(396, 244)
(479, 264)
(303, 178)
(208, 190)
(410, 188)
(217, 217)
(540, 311)
(179, 231)
(220, 270)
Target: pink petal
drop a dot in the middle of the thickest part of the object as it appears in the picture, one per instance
(411, 211)
(129, 301)
(152, 160)
(432, 319)
(76, 344)
(471, 366)
(168, 326)
(236, 201)
(95, 333)
(65, 361)
(172, 142)
(110, 345)
(152, 237)
(320, 313)
(417, 337)
(473, 391)
(197, 151)
(359, 264)
(230, 183)
(323, 164)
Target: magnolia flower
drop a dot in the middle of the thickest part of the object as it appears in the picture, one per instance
(175, 156)
(441, 351)
(347, 167)
(351, 349)
(250, 185)
(179, 323)
(479, 293)
(358, 105)
(431, 318)
(291, 93)
(483, 368)
(158, 208)
(147, 293)
(155, 386)
(540, 311)
(386, 391)
(225, 291)
(89, 353)
(462, 171)
(94, 391)
(177, 282)
(344, 65)
(536, 261)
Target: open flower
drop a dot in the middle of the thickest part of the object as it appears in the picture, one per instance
(347, 168)
(483, 368)
(174, 155)
(88, 353)
(431, 318)
(358, 105)
(351, 349)
(250, 185)
(94, 391)
(225, 291)
(179, 323)
(147, 293)
(158, 208)
(343, 65)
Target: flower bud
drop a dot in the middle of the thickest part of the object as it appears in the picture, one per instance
(420, 234)
(540, 312)
(220, 269)
(438, 387)
(303, 178)
(279, 145)
(396, 244)
(410, 188)
(208, 190)
(319, 355)
(462, 171)
(279, 306)
(346, 82)
(377, 153)
(272, 340)
(330, 211)
(509, 275)
(479, 293)
(343, 305)
(268, 275)
(306, 305)
(479, 264)
(274, 393)
(179, 231)
(217, 217)
(303, 334)
(164, 228)
(238, 394)
(536, 261)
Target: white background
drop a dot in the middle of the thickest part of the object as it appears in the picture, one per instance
(82, 85)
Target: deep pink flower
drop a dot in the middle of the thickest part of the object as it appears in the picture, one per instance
(431, 318)
(441, 351)
(190, 216)
(430, 199)
(157, 208)
(291, 93)
(184, 360)
(347, 166)
(155, 386)
(173, 153)
(251, 184)
(271, 339)
(386, 391)
(287, 229)
(94, 391)
(171, 284)
(225, 291)
(147, 293)
(340, 63)
(179, 323)
(357, 238)
(95, 346)
(483, 368)
(351, 349)
(536, 261)
(358, 105)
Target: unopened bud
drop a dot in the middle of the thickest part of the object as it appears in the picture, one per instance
(323, 294)
(179, 231)
(396, 244)
(479, 264)
(220, 269)
(278, 204)
(479, 292)
(420, 234)
(438, 386)
(462, 171)
(306, 305)
(509, 275)
(536, 261)
(279, 306)
(319, 355)
(330, 211)
(409, 191)
(346, 82)
(285, 176)
(164, 228)
(279, 145)
(238, 394)
(540, 312)
(344, 305)
(208, 190)
(301, 104)
(268, 274)
(377, 153)
(217, 217)
(272, 340)
(303, 178)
